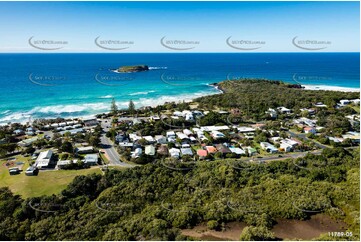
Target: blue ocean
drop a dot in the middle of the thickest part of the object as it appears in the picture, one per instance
(79, 85)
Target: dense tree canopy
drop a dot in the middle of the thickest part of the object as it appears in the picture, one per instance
(154, 201)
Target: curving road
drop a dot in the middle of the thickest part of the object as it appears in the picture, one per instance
(110, 151)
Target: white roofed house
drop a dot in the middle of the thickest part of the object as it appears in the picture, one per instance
(30, 131)
(286, 147)
(182, 136)
(217, 135)
(345, 102)
(45, 159)
(160, 139)
(189, 117)
(272, 113)
(154, 117)
(27, 142)
(149, 139)
(134, 137)
(170, 134)
(355, 101)
(18, 132)
(187, 132)
(214, 128)
(84, 150)
(91, 159)
(284, 110)
(174, 152)
(192, 139)
(268, 147)
(244, 129)
(136, 153)
(237, 151)
(178, 114)
(149, 150)
(320, 105)
(186, 151)
(197, 113)
(353, 136)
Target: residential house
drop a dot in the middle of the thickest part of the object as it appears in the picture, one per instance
(310, 111)
(192, 139)
(197, 114)
(237, 151)
(258, 126)
(214, 128)
(286, 147)
(32, 171)
(120, 137)
(44, 159)
(217, 135)
(202, 153)
(19, 132)
(244, 129)
(160, 139)
(84, 150)
(187, 132)
(154, 118)
(320, 105)
(134, 137)
(345, 102)
(30, 131)
(171, 136)
(182, 136)
(126, 144)
(251, 151)
(27, 142)
(353, 136)
(14, 171)
(149, 139)
(136, 153)
(309, 129)
(211, 149)
(91, 159)
(284, 110)
(149, 150)
(89, 122)
(268, 147)
(272, 113)
(355, 101)
(174, 152)
(63, 163)
(223, 149)
(163, 150)
(186, 151)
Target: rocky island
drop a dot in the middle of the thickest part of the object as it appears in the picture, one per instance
(133, 68)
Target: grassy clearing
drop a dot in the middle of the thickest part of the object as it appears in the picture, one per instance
(46, 183)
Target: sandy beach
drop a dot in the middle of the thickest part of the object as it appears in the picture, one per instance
(331, 88)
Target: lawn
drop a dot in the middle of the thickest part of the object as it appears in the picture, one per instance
(46, 183)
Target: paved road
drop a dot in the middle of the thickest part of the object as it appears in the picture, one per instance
(288, 156)
(110, 151)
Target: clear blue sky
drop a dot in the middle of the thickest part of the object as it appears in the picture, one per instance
(209, 23)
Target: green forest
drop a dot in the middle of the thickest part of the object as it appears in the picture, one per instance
(255, 96)
(153, 202)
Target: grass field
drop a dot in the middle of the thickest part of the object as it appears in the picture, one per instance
(46, 183)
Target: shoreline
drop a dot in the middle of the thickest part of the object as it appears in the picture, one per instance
(159, 101)
(188, 99)
(330, 88)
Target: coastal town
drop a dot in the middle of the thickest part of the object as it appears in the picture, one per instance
(171, 135)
